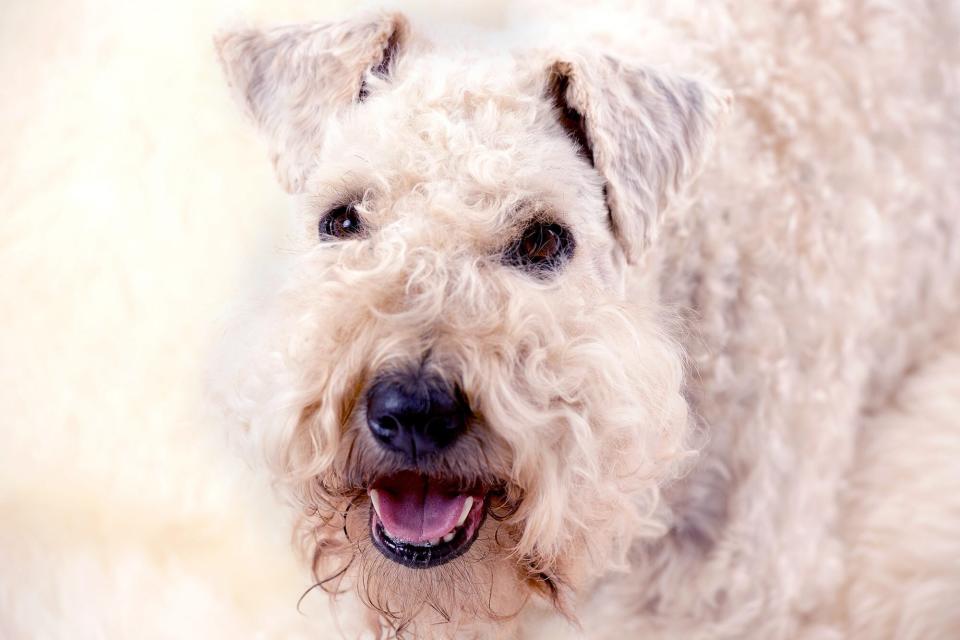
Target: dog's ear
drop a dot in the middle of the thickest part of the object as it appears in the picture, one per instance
(291, 80)
(645, 132)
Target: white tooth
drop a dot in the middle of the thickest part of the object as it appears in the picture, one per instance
(449, 536)
(375, 501)
(433, 542)
(466, 510)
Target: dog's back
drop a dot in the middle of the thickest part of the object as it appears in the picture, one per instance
(815, 263)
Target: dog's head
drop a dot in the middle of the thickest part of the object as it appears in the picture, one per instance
(465, 377)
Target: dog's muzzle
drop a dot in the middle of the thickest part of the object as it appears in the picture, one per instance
(417, 519)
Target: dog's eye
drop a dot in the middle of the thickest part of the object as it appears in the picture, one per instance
(542, 247)
(343, 222)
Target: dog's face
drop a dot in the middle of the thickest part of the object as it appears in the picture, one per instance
(463, 380)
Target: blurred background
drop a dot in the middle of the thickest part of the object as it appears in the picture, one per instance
(133, 196)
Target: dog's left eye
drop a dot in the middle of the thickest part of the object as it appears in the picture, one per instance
(343, 222)
(542, 247)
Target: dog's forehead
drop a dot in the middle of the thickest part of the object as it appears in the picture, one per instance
(466, 84)
(471, 99)
(475, 122)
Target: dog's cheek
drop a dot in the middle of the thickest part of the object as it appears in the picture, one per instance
(624, 436)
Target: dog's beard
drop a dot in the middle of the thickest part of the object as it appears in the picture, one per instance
(488, 582)
(540, 537)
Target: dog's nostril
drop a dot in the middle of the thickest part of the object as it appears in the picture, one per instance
(384, 426)
(439, 424)
(415, 416)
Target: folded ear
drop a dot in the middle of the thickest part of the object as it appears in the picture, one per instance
(291, 80)
(646, 132)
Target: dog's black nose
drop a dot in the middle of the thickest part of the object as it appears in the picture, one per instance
(415, 414)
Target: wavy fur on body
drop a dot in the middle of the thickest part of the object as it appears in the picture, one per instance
(769, 293)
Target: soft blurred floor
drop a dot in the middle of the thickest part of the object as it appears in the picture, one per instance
(132, 196)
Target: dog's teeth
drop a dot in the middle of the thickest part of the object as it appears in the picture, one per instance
(467, 504)
(375, 501)
(449, 536)
(433, 542)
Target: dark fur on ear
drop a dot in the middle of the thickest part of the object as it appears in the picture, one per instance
(383, 68)
(570, 119)
(645, 131)
(291, 80)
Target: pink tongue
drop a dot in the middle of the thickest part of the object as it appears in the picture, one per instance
(413, 509)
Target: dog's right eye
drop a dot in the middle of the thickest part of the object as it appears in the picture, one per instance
(341, 223)
(541, 248)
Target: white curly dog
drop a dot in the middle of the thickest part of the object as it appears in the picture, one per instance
(583, 329)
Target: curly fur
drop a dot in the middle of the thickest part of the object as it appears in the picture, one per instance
(774, 291)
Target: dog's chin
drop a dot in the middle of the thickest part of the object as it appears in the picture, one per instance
(422, 521)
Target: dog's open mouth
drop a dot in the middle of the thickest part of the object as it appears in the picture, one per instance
(421, 521)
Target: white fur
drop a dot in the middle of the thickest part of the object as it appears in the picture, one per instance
(807, 269)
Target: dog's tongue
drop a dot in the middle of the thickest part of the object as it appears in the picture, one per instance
(414, 509)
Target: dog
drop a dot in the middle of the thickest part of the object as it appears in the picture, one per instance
(581, 336)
